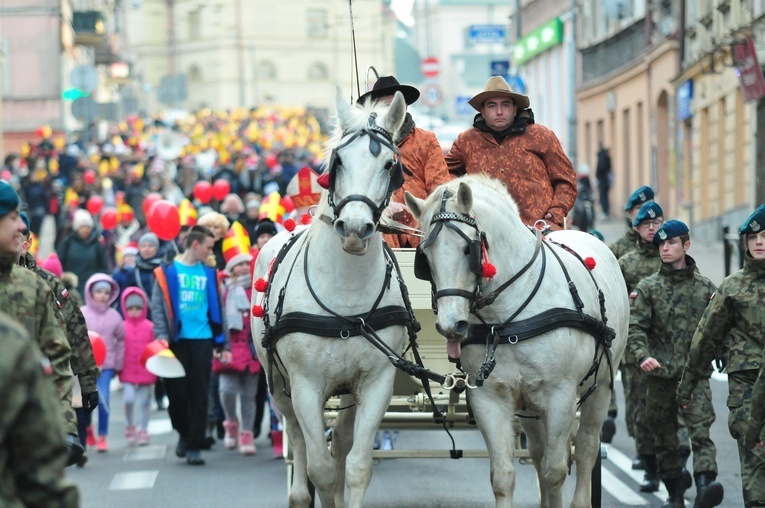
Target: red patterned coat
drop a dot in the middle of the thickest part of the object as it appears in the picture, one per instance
(533, 165)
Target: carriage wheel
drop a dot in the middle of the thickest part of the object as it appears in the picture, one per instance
(596, 481)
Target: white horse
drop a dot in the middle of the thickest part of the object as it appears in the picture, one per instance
(336, 269)
(541, 377)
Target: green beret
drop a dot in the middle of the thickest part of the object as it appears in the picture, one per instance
(648, 211)
(9, 200)
(639, 197)
(669, 229)
(25, 218)
(755, 223)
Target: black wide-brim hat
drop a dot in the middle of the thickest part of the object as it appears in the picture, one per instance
(388, 85)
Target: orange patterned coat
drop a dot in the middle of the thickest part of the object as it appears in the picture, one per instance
(423, 158)
(532, 164)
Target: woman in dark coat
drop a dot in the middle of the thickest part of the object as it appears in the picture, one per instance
(82, 252)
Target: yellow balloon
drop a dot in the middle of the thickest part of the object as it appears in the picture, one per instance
(46, 131)
(114, 164)
(103, 168)
(59, 143)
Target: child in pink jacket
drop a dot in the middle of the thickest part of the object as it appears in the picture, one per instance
(137, 381)
(100, 293)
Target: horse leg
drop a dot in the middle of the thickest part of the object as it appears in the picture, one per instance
(342, 441)
(591, 417)
(494, 416)
(309, 410)
(558, 422)
(376, 391)
(536, 437)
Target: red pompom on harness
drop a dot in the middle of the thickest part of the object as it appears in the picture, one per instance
(305, 219)
(257, 311)
(323, 180)
(260, 285)
(488, 270)
(289, 225)
(590, 263)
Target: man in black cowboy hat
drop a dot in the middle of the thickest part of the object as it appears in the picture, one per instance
(421, 154)
(506, 144)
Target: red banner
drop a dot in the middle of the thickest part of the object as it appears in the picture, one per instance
(748, 70)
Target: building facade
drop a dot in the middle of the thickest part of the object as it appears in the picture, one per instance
(625, 100)
(240, 53)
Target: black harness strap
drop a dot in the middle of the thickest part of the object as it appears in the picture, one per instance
(341, 327)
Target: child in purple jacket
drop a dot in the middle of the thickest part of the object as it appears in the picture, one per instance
(100, 293)
(136, 380)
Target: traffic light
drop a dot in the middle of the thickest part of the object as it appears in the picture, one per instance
(72, 94)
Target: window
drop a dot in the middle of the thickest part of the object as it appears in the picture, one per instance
(317, 23)
(267, 70)
(318, 72)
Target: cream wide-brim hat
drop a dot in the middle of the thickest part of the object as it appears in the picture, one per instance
(498, 87)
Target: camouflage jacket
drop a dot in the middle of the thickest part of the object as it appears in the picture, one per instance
(665, 309)
(639, 264)
(82, 361)
(734, 323)
(757, 415)
(27, 298)
(625, 244)
(33, 452)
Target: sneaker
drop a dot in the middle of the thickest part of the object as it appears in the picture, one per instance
(90, 438)
(143, 437)
(195, 458)
(231, 435)
(246, 443)
(180, 448)
(130, 434)
(101, 444)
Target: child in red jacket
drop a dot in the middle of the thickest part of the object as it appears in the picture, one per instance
(137, 381)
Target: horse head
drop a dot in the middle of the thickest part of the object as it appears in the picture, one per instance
(453, 238)
(364, 168)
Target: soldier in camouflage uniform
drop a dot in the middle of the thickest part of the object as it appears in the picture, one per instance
(636, 266)
(734, 322)
(665, 309)
(620, 247)
(82, 361)
(755, 436)
(33, 450)
(28, 300)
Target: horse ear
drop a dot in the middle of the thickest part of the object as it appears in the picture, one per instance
(415, 204)
(396, 114)
(344, 110)
(465, 199)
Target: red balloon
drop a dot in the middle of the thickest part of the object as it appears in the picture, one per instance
(89, 177)
(271, 161)
(109, 219)
(164, 220)
(221, 188)
(148, 202)
(203, 192)
(94, 205)
(99, 347)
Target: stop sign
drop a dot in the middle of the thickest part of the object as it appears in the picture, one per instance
(430, 67)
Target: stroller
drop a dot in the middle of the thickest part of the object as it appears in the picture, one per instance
(583, 213)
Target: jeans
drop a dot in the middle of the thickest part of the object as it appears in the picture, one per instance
(103, 383)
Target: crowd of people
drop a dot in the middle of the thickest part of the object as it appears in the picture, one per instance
(156, 232)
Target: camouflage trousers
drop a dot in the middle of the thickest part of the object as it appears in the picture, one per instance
(752, 462)
(663, 418)
(634, 381)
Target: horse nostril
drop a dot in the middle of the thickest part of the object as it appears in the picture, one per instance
(340, 227)
(461, 327)
(369, 230)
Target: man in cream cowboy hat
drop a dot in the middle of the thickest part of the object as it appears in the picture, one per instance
(506, 144)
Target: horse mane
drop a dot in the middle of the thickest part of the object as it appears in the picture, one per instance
(500, 197)
(359, 121)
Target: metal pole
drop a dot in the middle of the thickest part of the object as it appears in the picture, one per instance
(240, 53)
(572, 86)
(517, 15)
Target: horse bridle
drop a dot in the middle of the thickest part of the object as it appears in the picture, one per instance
(474, 251)
(378, 137)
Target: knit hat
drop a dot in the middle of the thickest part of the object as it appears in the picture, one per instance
(149, 238)
(236, 247)
(9, 200)
(130, 250)
(134, 300)
(648, 211)
(101, 284)
(639, 197)
(81, 219)
(669, 229)
(754, 223)
(265, 227)
(53, 264)
(252, 203)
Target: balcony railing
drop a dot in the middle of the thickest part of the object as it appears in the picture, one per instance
(613, 53)
(89, 28)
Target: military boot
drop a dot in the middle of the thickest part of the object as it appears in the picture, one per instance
(651, 477)
(685, 452)
(709, 492)
(676, 491)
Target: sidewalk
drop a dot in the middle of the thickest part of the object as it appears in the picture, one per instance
(709, 256)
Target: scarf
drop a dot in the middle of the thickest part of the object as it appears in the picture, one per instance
(522, 120)
(237, 303)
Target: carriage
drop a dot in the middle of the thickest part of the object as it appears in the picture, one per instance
(334, 322)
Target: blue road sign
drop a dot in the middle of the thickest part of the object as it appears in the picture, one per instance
(500, 68)
(487, 34)
(461, 106)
